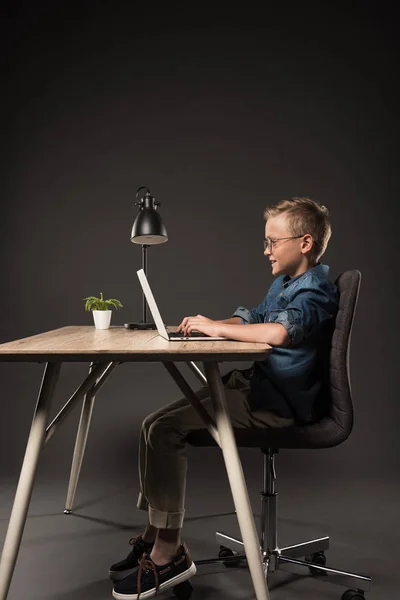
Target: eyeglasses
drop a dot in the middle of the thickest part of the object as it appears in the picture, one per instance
(269, 242)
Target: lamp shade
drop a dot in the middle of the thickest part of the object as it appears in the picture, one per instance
(148, 227)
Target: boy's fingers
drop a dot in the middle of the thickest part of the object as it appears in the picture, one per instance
(183, 326)
(190, 322)
(183, 323)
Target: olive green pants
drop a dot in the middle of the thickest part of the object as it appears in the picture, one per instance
(162, 446)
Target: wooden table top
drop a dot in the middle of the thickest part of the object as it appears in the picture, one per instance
(118, 344)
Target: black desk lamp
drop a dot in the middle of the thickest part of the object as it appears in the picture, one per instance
(148, 229)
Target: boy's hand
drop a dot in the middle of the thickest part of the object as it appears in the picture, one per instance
(200, 323)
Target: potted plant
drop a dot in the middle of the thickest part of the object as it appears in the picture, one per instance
(100, 309)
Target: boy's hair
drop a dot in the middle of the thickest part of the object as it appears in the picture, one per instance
(304, 215)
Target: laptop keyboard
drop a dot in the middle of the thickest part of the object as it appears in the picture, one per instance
(191, 334)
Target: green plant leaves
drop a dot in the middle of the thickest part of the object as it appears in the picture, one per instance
(93, 303)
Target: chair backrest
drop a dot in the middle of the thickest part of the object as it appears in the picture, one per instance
(337, 424)
(341, 406)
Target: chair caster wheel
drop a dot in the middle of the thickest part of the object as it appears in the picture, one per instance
(353, 595)
(317, 558)
(183, 590)
(228, 553)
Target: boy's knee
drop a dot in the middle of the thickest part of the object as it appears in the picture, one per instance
(147, 423)
(162, 433)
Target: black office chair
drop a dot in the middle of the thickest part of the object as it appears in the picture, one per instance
(330, 431)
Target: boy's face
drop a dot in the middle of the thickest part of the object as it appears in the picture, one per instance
(289, 256)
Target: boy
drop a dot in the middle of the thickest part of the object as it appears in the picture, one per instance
(297, 318)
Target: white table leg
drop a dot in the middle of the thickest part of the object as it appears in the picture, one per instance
(80, 446)
(26, 480)
(237, 481)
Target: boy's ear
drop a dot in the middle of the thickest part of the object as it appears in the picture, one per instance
(307, 242)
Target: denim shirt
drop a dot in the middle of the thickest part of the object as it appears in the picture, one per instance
(294, 381)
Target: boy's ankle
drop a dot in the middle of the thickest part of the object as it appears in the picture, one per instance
(163, 556)
(148, 539)
(149, 535)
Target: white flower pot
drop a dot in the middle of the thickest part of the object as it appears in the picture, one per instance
(102, 318)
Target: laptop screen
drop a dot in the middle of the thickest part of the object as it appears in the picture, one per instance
(152, 304)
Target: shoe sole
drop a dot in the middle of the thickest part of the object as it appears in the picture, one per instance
(118, 575)
(167, 584)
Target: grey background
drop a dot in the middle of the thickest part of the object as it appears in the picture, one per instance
(219, 117)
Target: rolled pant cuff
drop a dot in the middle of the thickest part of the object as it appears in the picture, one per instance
(142, 503)
(165, 520)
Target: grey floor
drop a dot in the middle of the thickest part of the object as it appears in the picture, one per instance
(65, 557)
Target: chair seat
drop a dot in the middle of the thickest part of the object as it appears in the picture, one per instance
(322, 434)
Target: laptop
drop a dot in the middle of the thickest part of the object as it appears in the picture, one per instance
(172, 336)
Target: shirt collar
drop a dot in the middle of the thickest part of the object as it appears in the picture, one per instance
(319, 269)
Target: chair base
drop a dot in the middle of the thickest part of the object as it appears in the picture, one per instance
(286, 559)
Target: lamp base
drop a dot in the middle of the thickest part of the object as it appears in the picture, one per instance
(140, 325)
